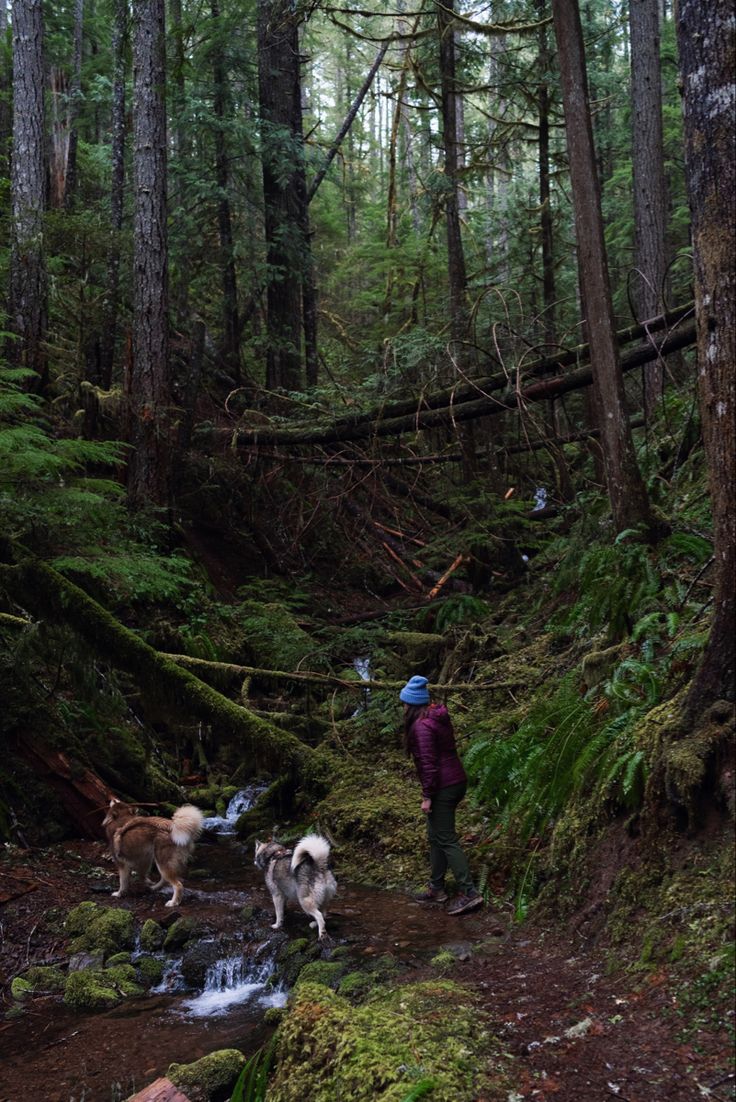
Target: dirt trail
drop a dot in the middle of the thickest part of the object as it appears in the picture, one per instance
(575, 1033)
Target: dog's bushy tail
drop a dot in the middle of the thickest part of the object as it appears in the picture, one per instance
(186, 825)
(314, 847)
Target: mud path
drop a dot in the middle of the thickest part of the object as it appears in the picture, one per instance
(574, 1032)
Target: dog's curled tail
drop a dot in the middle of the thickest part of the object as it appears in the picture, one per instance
(186, 825)
(313, 846)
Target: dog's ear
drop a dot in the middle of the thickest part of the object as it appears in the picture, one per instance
(258, 845)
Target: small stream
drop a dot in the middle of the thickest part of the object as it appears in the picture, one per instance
(61, 1056)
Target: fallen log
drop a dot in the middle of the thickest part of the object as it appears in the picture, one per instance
(488, 405)
(80, 792)
(161, 1090)
(312, 677)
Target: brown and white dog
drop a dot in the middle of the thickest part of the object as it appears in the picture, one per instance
(303, 874)
(139, 841)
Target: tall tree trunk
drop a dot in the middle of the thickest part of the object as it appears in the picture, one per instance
(230, 323)
(280, 102)
(117, 155)
(181, 161)
(148, 390)
(6, 122)
(650, 197)
(455, 255)
(707, 63)
(28, 290)
(75, 95)
(626, 489)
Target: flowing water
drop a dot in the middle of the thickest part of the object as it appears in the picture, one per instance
(61, 1056)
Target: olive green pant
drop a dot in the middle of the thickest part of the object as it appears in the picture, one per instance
(444, 848)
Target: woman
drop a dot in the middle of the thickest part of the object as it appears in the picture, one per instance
(429, 739)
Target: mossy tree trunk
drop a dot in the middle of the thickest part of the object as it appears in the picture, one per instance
(706, 41)
(45, 593)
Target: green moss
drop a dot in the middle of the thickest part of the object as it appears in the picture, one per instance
(322, 971)
(150, 970)
(373, 815)
(117, 958)
(152, 936)
(355, 985)
(444, 960)
(208, 1078)
(376, 1052)
(45, 978)
(96, 989)
(183, 930)
(100, 929)
(20, 988)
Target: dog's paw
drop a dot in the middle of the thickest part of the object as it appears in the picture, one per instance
(275, 925)
(312, 925)
(171, 903)
(116, 895)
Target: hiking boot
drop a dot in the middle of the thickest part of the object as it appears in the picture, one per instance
(432, 895)
(464, 903)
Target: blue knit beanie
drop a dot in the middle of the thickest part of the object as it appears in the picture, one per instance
(415, 691)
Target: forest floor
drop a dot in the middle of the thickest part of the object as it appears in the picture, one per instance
(579, 1024)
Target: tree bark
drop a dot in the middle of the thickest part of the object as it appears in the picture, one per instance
(280, 102)
(117, 156)
(230, 323)
(75, 96)
(455, 256)
(626, 489)
(28, 289)
(6, 122)
(148, 385)
(707, 63)
(650, 254)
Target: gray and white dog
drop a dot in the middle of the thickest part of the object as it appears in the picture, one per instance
(303, 874)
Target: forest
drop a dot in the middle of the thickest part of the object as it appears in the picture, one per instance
(353, 359)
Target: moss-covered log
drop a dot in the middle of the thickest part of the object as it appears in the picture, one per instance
(44, 592)
(204, 665)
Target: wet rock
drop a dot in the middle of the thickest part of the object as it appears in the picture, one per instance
(210, 1078)
(79, 961)
(183, 930)
(201, 955)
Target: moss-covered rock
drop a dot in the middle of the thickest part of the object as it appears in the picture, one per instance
(20, 988)
(326, 972)
(40, 978)
(210, 1078)
(150, 970)
(293, 956)
(152, 936)
(100, 929)
(116, 959)
(355, 985)
(97, 989)
(183, 930)
(378, 1051)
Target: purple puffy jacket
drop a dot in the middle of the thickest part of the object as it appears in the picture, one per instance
(432, 745)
